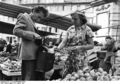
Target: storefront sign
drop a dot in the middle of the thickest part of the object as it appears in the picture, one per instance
(103, 7)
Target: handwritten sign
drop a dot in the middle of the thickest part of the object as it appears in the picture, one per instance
(103, 7)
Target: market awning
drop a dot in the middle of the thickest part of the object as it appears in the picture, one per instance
(53, 20)
(8, 29)
(13, 10)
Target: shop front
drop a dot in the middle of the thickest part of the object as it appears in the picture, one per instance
(107, 16)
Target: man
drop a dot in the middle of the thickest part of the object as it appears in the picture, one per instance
(25, 28)
(2, 44)
(107, 62)
(9, 47)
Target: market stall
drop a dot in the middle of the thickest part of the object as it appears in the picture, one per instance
(10, 69)
(88, 73)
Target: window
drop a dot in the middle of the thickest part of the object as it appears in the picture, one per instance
(29, 1)
(74, 7)
(58, 1)
(14, 38)
(24, 1)
(48, 8)
(49, 1)
(42, 1)
(10, 19)
(54, 8)
(20, 1)
(59, 8)
(103, 20)
(35, 1)
(32, 1)
(67, 8)
(90, 20)
(90, 10)
(5, 19)
(15, 20)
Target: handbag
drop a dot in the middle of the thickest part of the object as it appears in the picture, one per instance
(49, 62)
(44, 60)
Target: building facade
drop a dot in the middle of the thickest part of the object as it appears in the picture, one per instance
(108, 16)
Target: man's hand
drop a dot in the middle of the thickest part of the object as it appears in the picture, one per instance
(105, 59)
(37, 39)
(37, 36)
(78, 47)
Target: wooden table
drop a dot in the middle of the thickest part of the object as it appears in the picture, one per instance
(13, 75)
(7, 75)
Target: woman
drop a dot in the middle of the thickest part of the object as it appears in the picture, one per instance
(78, 39)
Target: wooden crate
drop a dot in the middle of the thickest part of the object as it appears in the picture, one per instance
(8, 73)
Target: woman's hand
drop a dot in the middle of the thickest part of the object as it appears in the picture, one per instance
(78, 47)
(105, 59)
(51, 50)
(71, 48)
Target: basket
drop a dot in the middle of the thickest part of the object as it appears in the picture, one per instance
(93, 57)
(8, 73)
(101, 54)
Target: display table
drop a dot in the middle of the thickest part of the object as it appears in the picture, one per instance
(7, 75)
(13, 75)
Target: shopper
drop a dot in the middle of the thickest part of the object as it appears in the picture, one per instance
(9, 47)
(106, 64)
(25, 28)
(77, 40)
(15, 47)
(46, 57)
(3, 44)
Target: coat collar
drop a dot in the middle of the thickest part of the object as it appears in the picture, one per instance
(29, 18)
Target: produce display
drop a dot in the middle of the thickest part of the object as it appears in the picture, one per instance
(89, 75)
(3, 59)
(11, 66)
(85, 74)
(4, 54)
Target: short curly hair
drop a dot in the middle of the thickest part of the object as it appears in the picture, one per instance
(38, 9)
(82, 17)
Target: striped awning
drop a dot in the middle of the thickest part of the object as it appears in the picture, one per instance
(53, 20)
